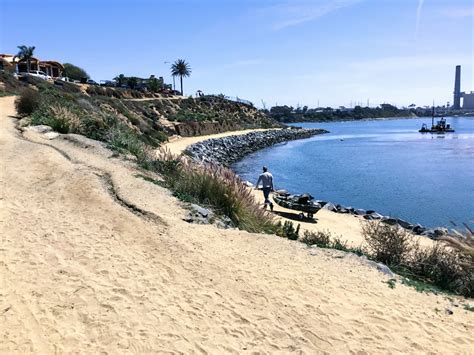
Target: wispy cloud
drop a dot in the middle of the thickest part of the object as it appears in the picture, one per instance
(292, 13)
(418, 17)
(457, 12)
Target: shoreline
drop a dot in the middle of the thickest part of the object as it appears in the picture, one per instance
(230, 149)
(339, 221)
(378, 119)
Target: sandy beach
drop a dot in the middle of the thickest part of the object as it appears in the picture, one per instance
(95, 259)
(179, 145)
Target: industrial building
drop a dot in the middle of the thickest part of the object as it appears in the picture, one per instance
(467, 98)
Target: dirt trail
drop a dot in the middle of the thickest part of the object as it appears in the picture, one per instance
(94, 259)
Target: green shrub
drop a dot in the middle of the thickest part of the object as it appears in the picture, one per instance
(124, 140)
(287, 230)
(27, 102)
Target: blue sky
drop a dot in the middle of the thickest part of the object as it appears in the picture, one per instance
(285, 52)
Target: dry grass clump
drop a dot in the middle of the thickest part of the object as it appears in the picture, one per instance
(448, 264)
(464, 243)
(319, 238)
(65, 119)
(213, 186)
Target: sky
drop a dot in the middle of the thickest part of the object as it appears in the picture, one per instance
(294, 52)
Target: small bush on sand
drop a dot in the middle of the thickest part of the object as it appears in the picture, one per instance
(27, 102)
(323, 239)
(387, 244)
(288, 230)
(319, 238)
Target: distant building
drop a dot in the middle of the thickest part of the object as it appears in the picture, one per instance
(468, 100)
(457, 88)
(11, 63)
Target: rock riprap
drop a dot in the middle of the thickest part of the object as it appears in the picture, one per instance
(228, 150)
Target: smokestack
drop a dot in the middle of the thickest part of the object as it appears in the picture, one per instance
(457, 89)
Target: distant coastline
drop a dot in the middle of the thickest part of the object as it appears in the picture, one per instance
(287, 114)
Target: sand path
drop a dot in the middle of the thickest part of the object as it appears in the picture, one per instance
(94, 259)
(179, 145)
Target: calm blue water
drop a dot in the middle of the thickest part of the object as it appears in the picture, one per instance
(386, 166)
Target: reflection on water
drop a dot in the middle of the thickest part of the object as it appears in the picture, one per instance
(383, 165)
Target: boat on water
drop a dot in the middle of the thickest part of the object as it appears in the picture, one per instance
(440, 127)
(305, 203)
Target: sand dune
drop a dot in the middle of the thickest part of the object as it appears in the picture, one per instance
(94, 259)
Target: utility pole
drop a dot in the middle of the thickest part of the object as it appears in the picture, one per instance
(174, 86)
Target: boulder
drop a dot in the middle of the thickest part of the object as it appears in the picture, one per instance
(248, 184)
(51, 135)
(376, 215)
(389, 220)
(418, 229)
(359, 212)
(40, 129)
(200, 210)
(384, 269)
(439, 232)
(429, 233)
(404, 224)
(330, 207)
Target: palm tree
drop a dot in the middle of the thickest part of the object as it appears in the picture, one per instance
(25, 53)
(180, 68)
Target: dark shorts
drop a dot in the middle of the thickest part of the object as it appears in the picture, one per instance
(266, 193)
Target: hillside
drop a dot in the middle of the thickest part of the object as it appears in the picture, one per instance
(99, 112)
(96, 259)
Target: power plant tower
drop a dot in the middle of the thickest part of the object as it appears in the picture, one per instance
(457, 89)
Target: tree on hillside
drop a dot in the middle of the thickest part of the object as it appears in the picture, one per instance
(120, 79)
(132, 82)
(25, 53)
(181, 68)
(154, 84)
(74, 72)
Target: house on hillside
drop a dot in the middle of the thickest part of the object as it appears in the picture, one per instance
(11, 63)
(7, 63)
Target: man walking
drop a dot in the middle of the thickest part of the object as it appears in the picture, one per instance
(267, 185)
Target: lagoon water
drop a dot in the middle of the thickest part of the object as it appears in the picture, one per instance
(383, 165)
